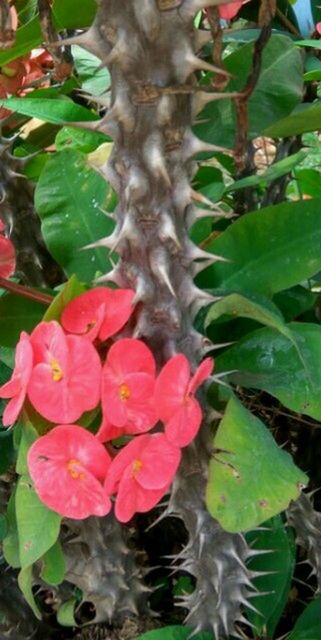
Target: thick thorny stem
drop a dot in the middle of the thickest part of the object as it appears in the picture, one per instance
(151, 50)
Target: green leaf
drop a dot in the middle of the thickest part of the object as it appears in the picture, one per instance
(308, 181)
(316, 44)
(264, 256)
(28, 36)
(174, 632)
(28, 436)
(54, 568)
(278, 539)
(3, 527)
(308, 626)
(94, 78)
(68, 198)
(39, 532)
(66, 613)
(11, 541)
(252, 306)
(289, 368)
(250, 478)
(295, 301)
(70, 290)
(17, 314)
(50, 110)
(275, 95)
(79, 139)
(274, 171)
(306, 117)
(71, 14)
(25, 581)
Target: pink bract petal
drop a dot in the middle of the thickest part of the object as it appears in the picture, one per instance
(130, 404)
(183, 426)
(142, 473)
(66, 466)
(16, 388)
(107, 431)
(133, 499)
(318, 27)
(201, 374)
(229, 11)
(66, 379)
(130, 356)
(160, 460)
(13, 76)
(7, 257)
(172, 385)
(128, 385)
(99, 312)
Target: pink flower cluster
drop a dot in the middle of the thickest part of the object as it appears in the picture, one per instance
(229, 11)
(67, 369)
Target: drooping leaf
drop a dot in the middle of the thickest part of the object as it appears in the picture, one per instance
(58, 111)
(38, 533)
(275, 96)
(53, 561)
(250, 478)
(288, 368)
(263, 256)
(308, 626)
(25, 579)
(68, 198)
(278, 541)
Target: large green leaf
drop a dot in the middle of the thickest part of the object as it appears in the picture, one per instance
(280, 560)
(17, 314)
(38, 526)
(250, 479)
(268, 250)
(306, 117)
(288, 368)
(174, 632)
(308, 626)
(275, 96)
(68, 198)
(94, 77)
(56, 111)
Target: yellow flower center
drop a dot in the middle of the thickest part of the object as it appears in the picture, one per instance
(124, 392)
(136, 466)
(56, 370)
(73, 471)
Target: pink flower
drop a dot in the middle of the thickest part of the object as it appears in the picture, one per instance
(318, 27)
(174, 395)
(16, 388)
(141, 474)
(68, 466)
(65, 381)
(128, 386)
(99, 312)
(7, 257)
(229, 11)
